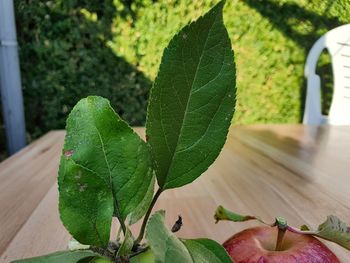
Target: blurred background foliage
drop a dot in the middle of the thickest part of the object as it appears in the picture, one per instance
(271, 39)
(73, 48)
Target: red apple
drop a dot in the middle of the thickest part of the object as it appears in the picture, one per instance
(258, 245)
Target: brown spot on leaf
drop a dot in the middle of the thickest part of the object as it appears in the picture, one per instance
(68, 153)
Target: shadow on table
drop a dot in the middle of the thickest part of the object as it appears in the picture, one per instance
(296, 149)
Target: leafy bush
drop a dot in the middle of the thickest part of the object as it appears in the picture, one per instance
(271, 39)
(64, 57)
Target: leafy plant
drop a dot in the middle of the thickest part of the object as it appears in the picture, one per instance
(108, 171)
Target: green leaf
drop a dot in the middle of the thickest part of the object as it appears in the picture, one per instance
(167, 248)
(104, 150)
(192, 101)
(85, 203)
(335, 230)
(126, 246)
(59, 257)
(206, 251)
(222, 213)
(304, 228)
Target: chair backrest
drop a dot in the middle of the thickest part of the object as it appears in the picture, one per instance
(337, 42)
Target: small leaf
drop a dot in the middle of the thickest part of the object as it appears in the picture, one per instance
(59, 257)
(335, 230)
(222, 213)
(192, 101)
(167, 248)
(75, 245)
(127, 244)
(206, 250)
(112, 157)
(304, 228)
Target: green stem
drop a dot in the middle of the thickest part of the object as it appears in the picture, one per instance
(148, 213)
(122, 225)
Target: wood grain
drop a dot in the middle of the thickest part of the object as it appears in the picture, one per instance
(25, 179)
(298, 172)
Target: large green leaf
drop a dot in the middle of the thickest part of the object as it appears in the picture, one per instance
(60, 257)
(104, 150)
(192, 101)
(167, 248)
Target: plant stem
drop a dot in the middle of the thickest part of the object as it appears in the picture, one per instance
(282, 226)
(148, 213)
(122, 225)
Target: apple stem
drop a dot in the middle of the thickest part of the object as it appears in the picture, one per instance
(280, 236)
(282, 226)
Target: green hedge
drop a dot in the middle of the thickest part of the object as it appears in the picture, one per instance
(270, 37)
(73, 48)
(64, 57)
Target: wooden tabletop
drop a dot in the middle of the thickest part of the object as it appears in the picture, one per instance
(298, 172)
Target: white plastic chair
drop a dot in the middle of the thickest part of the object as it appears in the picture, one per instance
(337, 41)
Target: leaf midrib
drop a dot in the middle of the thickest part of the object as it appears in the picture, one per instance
(110, 173)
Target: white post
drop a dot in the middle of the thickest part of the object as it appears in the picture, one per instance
(10, 80)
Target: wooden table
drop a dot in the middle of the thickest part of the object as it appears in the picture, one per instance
(299, 172)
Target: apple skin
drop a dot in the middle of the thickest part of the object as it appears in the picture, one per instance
(257, 245)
